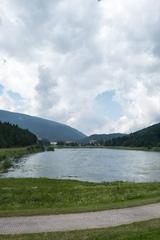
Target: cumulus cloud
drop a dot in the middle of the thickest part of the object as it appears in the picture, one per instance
(60, 55)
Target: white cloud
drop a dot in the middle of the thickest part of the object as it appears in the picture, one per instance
(60, 55)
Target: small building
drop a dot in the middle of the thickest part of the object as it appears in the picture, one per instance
(53, 143)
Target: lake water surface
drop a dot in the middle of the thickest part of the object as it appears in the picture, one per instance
(90, 164)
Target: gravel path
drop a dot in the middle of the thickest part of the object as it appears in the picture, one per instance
(78, 221)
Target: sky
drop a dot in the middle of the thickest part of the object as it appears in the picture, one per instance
(94, 65)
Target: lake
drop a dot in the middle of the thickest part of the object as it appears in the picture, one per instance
(94, 165)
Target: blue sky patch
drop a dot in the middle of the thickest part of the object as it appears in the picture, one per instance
(15, 96)
(106, 105)
(1, 89)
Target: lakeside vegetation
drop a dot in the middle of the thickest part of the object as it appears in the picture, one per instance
(48, 196)
(9, 155)
(148, 230)
(74, 145)
(16, 142)
(13, 142)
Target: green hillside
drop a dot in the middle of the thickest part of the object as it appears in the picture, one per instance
(148, 137)
(43, 128)
(101, 138)
(13, 136)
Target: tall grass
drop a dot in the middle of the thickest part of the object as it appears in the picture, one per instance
(45, 196)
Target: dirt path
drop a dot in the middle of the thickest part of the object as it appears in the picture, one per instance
(78, 221)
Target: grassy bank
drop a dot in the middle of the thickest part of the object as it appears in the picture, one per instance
(8, 155)
(149, 230)
(45, 196)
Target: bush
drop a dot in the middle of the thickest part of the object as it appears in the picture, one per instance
(7, 164)
(50, 148)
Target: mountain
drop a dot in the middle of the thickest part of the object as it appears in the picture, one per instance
(101, 138)
(13, 136)
(42, 128)
(147, 137)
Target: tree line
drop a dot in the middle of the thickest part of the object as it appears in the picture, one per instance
(13, 136)
(148, 137)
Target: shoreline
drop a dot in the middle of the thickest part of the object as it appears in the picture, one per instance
(9, 155)
(145, 149)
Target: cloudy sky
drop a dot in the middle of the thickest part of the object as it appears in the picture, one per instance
(92, 65)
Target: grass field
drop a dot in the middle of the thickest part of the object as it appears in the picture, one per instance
(149, 230)
(45, 196)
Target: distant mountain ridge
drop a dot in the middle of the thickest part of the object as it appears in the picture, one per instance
(147, 137)
(101, 138)
(43, 128)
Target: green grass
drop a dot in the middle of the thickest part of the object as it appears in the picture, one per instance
(8, 155)
(46, 196)
(149, 230)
